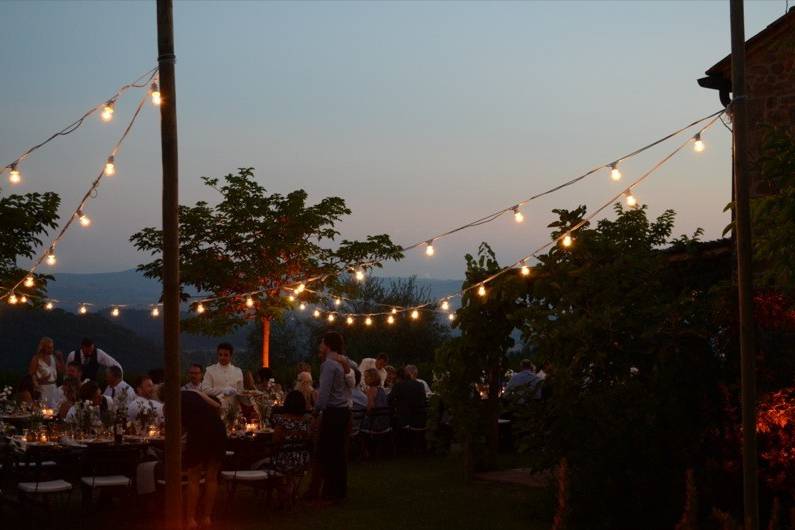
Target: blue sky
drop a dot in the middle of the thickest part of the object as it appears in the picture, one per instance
(422, 115)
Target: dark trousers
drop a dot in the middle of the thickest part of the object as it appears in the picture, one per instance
(331, 452)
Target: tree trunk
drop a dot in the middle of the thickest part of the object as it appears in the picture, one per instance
(266, 342)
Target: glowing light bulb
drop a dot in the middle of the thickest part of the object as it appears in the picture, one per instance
(110, 167)
(155, 312)
(107, 111)
(83, 309)
(114, 312)
(23, 299)
(517, 215)
(359, 274)
(48, 306)
(390, 319)
(525, 270)
(567, 240)
(14, 176)
(302, 306)
(451, 317)
(51, 259)
(632, 201)
(291, 298)
(415, 315)
(445, 305)
(155, 91)
(331, 317)
(394, 311)
(316, 314)
(29, 281)
(429, 251)
(13, 299)
(337, 301)
(615, 173)
(200, 308)
(249, 302)
(368, 321)
(482, 290)
(698, 145)
(300, 289)
(349, 321)
(84, 219)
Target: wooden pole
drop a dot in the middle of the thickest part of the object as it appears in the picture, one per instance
(742, 235)
(266, 342)
(171, 301)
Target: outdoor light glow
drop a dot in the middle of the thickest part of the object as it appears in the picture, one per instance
(249, 302)
(525, 270)
(482, 290)
(200, 308)
(29, 282)
(83, 309)
(698, 145)
(51, 259)
(394, 310)
(23, 299)
(632, 201)
(429, 251)
(566, 240)
(155, 90)
(349, 320)
(331, 317)
(615, 173)
(368, 321)
(107, 111)
(517, 215)
(359, 274)
(110, 167)
(14, 176)
(302, 306)
(415, 314)
(155, 312)
(12, 299)
(48, 306)
(445, 305)
(451, 316)
(300, 289)
(114, 312)
(84, 219)
(337, 301)
(390, 319)
(316, 314)
(291, 298)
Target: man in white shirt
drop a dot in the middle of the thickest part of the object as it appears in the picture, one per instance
(223, 378)
(91, 358)
(194, 378)
(145, 401)
(412, 371)
(380, 364)
(74, 370)
(117, 386)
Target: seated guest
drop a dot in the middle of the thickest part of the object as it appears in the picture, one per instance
(412, 372)
(223, 378)
(376, 399)
(195, 374)
(117, 387)
(74, 370)
(158, 376)
(144, 403)
(26, 391)
(525, 379)
(91, 358)
(304, 385)
(358, 397)
(69, 390)
(293, 426)
(408, 401)
(391, 377)
(90, 393)
(204, 449)
(364, 365)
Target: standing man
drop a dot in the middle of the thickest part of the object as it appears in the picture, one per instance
(91, 358)
(194, 378)
(380, 364)
(332, 404)
(223, 378)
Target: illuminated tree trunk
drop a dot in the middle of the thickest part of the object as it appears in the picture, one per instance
(266, 342)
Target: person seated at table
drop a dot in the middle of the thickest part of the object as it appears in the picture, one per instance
(526, 378)
(89, 392)
(408, 401)
(145, 402)
(44, 368)
(158, 376)
(223, 378)
(293, 428)
(376, 399)
(391, 377)
(195, 375)
(91, 358)
(26, 391)
(69, 391)
(412, 373)
(358, 397)
(74, 371)
(304, 385)
(117, 386)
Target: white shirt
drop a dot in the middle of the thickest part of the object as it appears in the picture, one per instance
(358, 398)
(191, 386)
(140, 403)
(117, 391)
(71, 415)
(218, 378)
(103, 359)
(426, 385)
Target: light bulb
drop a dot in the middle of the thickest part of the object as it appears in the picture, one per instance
(415, 314)
(291, 298)
(84, 219)
(331, 317)
(155, 312)
(83, 309)
(110, 167)
(12, 299)
(200, 308)
(29, 281)
(337, 301)
(698, 145)
(300, 288)
(302, 306)
(249, 302)
(359, 274)
(107, 111)
(23, 299)
(445, 305)
(51, 259)
(451, 316)
(155, 90)
(349, 320)
(368, 321)
(14, 176)
(316, 314)
(517, 214)
(615, 173)
(525, 270)
(567, 240)
(632, 201)
(390, 319)
(482, 290)
(394, 310)
(48, 306)
(114, 312)
(429, 251)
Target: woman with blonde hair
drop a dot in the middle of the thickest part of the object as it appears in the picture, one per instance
(304, 385)
(44, 368)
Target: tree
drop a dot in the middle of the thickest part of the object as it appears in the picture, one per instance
(253, 241)
(24, 219)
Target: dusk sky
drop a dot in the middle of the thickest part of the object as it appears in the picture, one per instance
(421, 115)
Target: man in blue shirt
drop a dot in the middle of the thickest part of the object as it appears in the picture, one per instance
(333, 405)
(527, 378)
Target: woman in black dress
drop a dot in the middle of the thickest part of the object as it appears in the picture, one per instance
(204, 450)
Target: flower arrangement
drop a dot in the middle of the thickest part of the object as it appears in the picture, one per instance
(86, 417)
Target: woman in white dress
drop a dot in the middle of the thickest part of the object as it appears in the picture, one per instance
(44, 368)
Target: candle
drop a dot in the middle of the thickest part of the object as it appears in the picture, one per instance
(47, 413)
(251, 427)
(152, 431)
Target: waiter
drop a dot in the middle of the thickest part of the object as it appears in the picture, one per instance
(223, 378)
(91, 358)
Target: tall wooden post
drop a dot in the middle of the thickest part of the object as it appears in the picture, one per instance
(742, 234)
(266, 342)
(171, 301)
